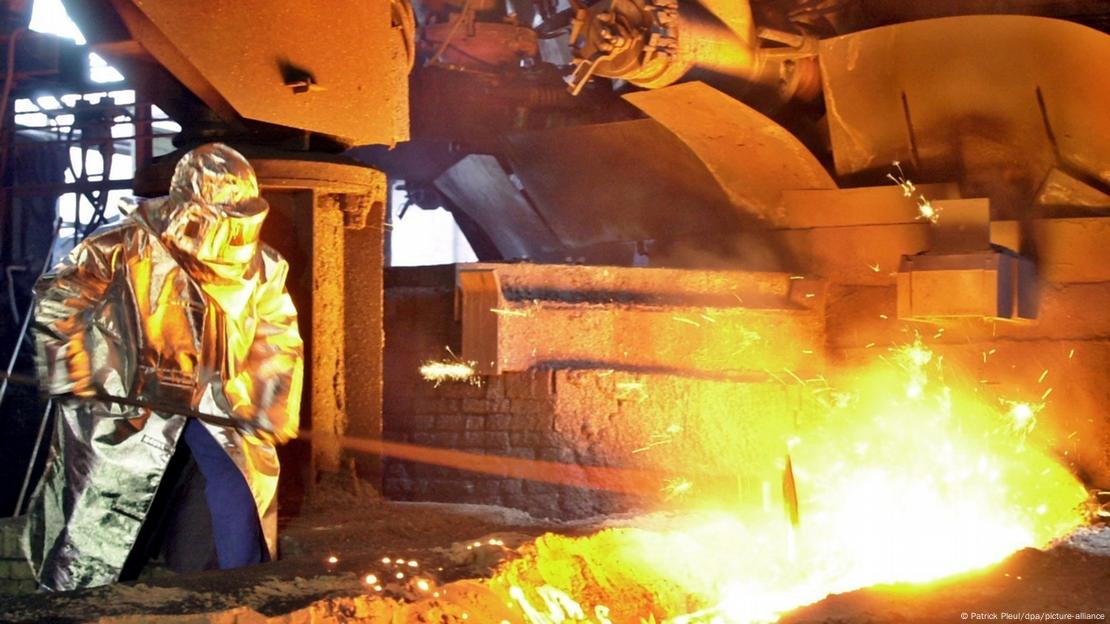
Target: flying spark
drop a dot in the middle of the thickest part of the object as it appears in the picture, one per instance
(675, 488)
(446, 370)
(908, 188)
(1023, 415)
(659, 438)
(925, 208)
(511, 312)
(927, 211)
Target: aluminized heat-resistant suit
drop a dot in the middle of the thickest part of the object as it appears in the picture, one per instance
(178, 304)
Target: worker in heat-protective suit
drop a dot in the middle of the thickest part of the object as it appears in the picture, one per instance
(179, 304)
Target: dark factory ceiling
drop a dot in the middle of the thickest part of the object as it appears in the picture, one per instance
(532, 172)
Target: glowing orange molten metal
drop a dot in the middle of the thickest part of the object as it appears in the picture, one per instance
(900, 476)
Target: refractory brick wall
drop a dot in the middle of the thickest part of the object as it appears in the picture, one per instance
(728, 436)
(512, 415)
(509, 415)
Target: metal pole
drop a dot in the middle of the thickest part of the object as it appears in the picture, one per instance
(27, 317)
(156, 406)
(34, 456)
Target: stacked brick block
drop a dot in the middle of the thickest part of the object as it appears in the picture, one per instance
(15, 574)
(511, 415)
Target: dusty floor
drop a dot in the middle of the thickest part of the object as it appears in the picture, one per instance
(1071, 579)
(359, 536)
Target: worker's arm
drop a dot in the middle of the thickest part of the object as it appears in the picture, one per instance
(266, 392)
(74, 328)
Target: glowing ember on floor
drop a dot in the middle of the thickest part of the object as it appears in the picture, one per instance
(907, 477)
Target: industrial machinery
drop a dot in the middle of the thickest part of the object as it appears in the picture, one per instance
(758, 135)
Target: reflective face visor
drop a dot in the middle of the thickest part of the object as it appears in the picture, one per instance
(221, 235)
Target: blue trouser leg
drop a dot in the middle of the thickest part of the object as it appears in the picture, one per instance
(235, 526)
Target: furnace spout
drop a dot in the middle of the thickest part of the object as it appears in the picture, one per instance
(656, 43)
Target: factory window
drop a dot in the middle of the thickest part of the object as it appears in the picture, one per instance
(91, 138)
(420, 237)
(49, 16)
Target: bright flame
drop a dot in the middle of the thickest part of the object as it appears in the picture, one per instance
(905, 477)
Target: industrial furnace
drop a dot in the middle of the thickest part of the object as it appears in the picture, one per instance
(785, 310)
